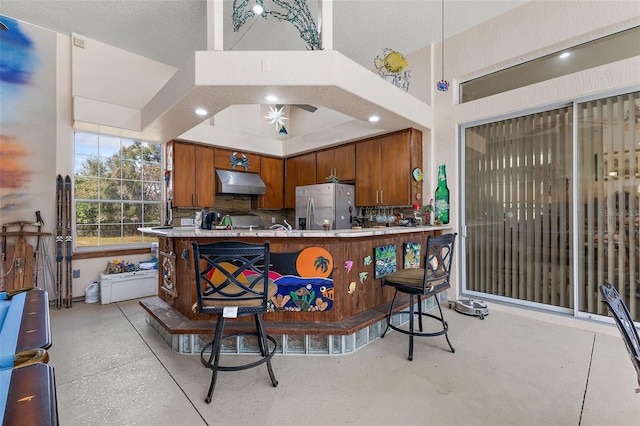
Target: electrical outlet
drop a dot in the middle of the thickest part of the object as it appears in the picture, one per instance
(186, 222)
(273, 220)
(76, 273)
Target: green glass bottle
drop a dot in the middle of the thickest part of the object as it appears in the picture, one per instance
(442, 197)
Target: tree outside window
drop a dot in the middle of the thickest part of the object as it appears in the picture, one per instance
(117, 189)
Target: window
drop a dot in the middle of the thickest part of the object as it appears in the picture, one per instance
(118, 188)
(605, 50)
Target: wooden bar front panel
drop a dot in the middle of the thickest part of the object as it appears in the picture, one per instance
(366, 296)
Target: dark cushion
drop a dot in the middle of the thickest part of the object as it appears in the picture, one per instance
(414, 278)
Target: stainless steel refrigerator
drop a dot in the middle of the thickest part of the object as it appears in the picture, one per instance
(331, 202)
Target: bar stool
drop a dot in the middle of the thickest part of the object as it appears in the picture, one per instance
(624, 321)
(427, 281)
(232, 280)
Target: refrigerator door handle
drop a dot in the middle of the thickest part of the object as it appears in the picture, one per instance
(310, 213)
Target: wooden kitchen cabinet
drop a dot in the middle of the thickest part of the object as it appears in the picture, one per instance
(193, 175)
(290, 172)
(384, 169)
(339, 162)
(299, 171)
(240, 159)
(272, 174)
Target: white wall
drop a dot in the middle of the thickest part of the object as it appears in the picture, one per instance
(89, 268)
(535, 29)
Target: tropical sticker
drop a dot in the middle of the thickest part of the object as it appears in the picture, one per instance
(304, 280)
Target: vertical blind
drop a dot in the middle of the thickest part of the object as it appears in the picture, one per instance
(609, 187)
(518, 181)
(519, 205)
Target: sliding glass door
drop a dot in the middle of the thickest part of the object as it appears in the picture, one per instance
(608, 191)
(521, 196)
(518, 208)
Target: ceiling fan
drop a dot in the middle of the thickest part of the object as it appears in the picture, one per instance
(305, 107)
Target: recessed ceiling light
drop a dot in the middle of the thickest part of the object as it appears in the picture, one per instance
(201, 111)
(565, 55)
(373, 119)
(271, 98)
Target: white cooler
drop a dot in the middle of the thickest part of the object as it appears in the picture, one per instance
(128, 285)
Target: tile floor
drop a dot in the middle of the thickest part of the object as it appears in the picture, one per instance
(517, 367)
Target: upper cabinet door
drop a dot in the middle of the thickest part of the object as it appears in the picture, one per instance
(345, 162)
(368, 173)
(272, 173)
(395, 171)
(339, 162)
(324, 165)
(299, 171)
(193, 175)
(290, 172)
(306, 169)
(384, 168)
(184, 160)
(205, 177)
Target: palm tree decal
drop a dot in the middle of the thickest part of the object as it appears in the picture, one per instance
(321, 263)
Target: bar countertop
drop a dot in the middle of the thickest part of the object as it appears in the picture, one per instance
(192, 232)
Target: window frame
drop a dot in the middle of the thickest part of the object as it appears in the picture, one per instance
(97, 157)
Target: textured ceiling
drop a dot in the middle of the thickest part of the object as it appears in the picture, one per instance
(170, 31)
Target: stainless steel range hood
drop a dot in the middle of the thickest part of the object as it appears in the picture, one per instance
(229, 182)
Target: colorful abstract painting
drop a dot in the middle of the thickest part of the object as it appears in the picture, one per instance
(412, 252)
(304, 280)
(385, 260)
(28, 121)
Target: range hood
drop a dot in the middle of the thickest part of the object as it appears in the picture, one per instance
(229, 182)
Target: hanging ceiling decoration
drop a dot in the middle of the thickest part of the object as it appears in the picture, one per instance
(296, 13)
(276, 117)
(443, 85)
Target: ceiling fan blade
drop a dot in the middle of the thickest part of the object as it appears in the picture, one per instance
(306, 107)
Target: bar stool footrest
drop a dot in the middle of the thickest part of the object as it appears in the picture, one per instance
(207, 349)
(417, 333)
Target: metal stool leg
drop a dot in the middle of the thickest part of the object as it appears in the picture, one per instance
(264, 347)
(390, 314)
(411, 314)
(214, 358)
(444, 324)
(262, 343)
(420, 312)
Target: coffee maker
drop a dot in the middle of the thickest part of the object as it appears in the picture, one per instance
(209, 219)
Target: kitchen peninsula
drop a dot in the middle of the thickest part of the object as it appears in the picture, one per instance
(328, 281)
